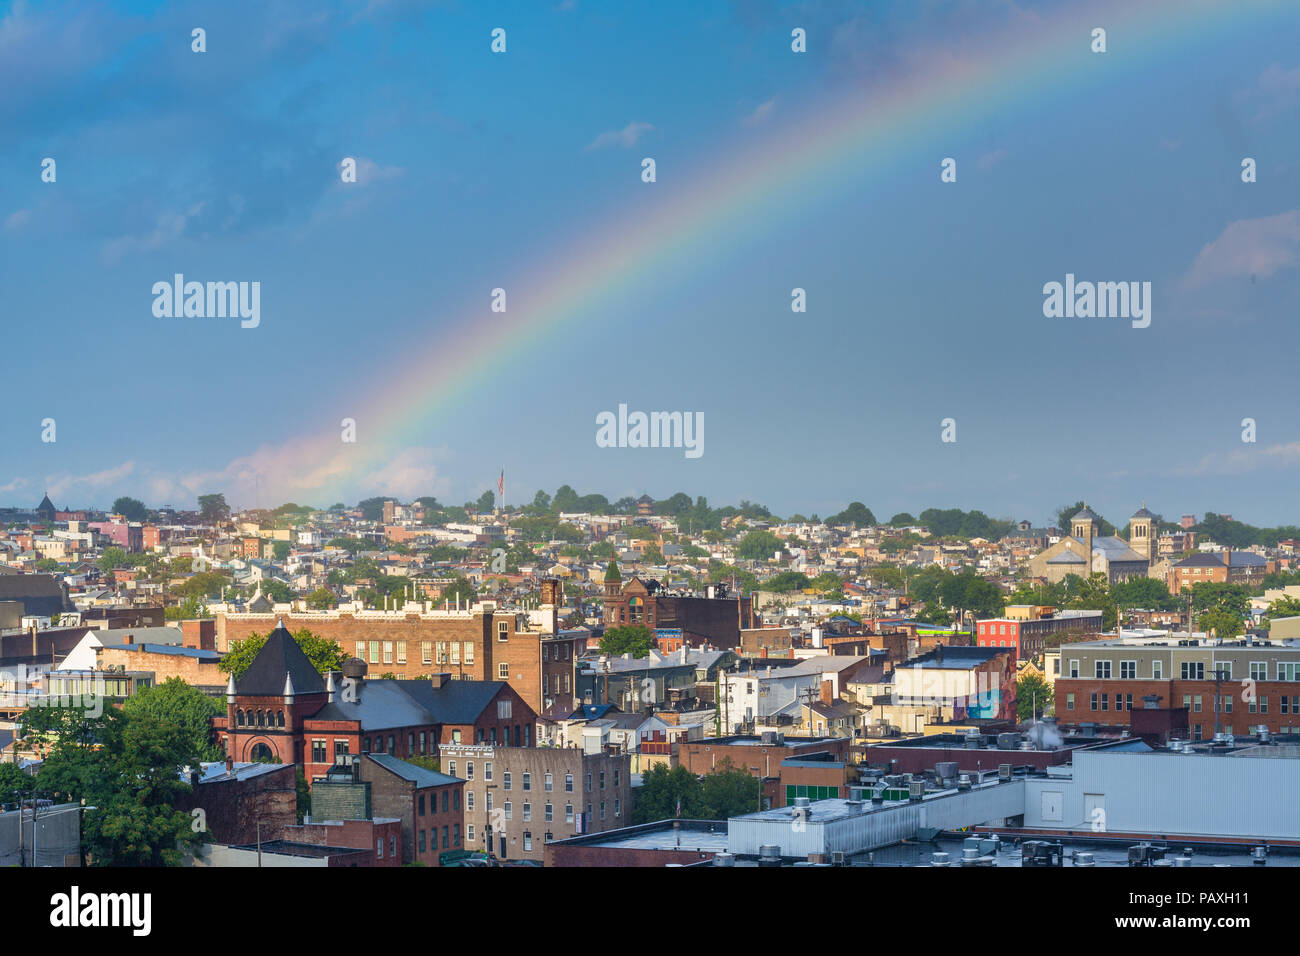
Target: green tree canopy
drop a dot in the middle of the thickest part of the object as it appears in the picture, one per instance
(176, 703)
(325, 655)
(1032, 692)
(855, 514)
(758, 546)
(132, 509)
(786, 581)
(634, 639)
(213, 508)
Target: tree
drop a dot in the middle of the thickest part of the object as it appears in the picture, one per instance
(322, 599)
(280, 549)
(1065, 514)
(729, 791)
(113, 557)
(1033, 695)
(1146, 593)
(1210, 595)
(759, 546)
(856, 514)
(176, 703)
(132, 509)
(1282, 607)
(14, 782)
(663, 791)
(486, 501)
(786, 581)
(1221, 621)
(325, 655)
(460, 589)
(541, 501)
(634, 639)
(213, 508)
(652, 555)
(902, 520)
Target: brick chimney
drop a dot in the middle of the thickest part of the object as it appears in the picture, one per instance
(230, 764)
(129, 639)
(828, 692)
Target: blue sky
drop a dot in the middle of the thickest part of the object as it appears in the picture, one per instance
(925, 299)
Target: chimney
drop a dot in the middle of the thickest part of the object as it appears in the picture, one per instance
(129, 639)
(230, 764)
(828, 692)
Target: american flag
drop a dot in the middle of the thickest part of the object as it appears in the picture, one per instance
(501, 484)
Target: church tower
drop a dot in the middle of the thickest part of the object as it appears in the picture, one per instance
(1086, 526)
(1142, 531)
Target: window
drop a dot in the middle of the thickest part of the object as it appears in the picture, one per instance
(1074, 668)
(1056, 665)
(506, 777)
(488, 797)
(455, 834)
(392, 746)
(422, 843)
(445, 799)
(469, 770)
(392, 846)
(426, 651)
(549, 813)
(455, 800)
(616, 776)
(401, 652)
(568, 783)
(1092, 701)
(528, 781)
(1288, 671)
(1193, 670)
(469, 652)
(1263, 705)
(445, 832)
(422, 741)
(568, 813)
(361, 649)
(602, 780)
(528, 840)
(388, 652)
(549, 782)
(374, 652)
(469, 832)
(1259, 670)
(1157, 670)
(318, 752)
(1102, 670)
(1119, 701)
(341, 748)
(1069, 702)
(1105, 701)
(487, 770)
(528, 812)
(365, 746)
(602, 809)
(421, 805)
(1224, 669)
(1196, 704)
(410, 742)
(455, 652)
(503, 630)
(503, 671)
(503, 707)
(379, 848)
(1128, 670)
(618, 811)
(1128, 701)
(442, 652)
(451, 768)
(469, 800)
(588, 781)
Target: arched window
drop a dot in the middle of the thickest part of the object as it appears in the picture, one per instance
(279, 718)
(261, 718)
(239, 718)
(261, 753)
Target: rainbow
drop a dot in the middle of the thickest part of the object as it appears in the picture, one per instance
(850, 137)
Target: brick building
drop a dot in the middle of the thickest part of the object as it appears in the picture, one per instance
(282, 710)
(776, 760)
(715, 619)
(237, 798)
(427, 803)
(481, 642)
(1232, 567)
(1029, 633)
(1102, 682)
(527, 796)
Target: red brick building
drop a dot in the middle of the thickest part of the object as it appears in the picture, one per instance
(427, 803)
(715, 620)
(282, 710)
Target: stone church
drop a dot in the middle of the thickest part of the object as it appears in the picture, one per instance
(1086, 551)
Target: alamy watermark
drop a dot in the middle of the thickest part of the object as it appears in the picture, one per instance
(1101, 300)
(651, 430)
(213, 300)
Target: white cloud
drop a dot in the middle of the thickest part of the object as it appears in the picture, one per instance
(168, 227)
(989, 160)
(17, 219)
(65, 485)
(1248, 247)
(625, 137)
(760, 114)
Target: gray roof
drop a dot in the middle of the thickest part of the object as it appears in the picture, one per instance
(1087, 514)
(379, 704)
(42, 595)
(415, 774)
(1116, 549)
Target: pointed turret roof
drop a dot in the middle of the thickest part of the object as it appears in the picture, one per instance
(612, 572)
(46, 504)
(280, 666)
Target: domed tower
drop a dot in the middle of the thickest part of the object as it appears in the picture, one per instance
(1142, 531)
(1086, 526)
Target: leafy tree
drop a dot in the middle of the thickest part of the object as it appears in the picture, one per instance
(213, 508)
(192, 608)
(350, 545)
(14, 782)
(1209, 595)
(758, 546)
(132, 509)
(542, 501)
(729, 791)
(1032, 691)
(113, 557)
(486, 501)
(902, 520)
(1066, 513)
(856, 514)
(653, 555)
(1282, 607)
(1141, 592)
(461, 588)
(276, 591)
(663, 790)
(1223, 622)
(48, 564)
(634, 639)
(786, 581)
(178, 704)
(280, 549)
(325, 655)
(322, 599)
